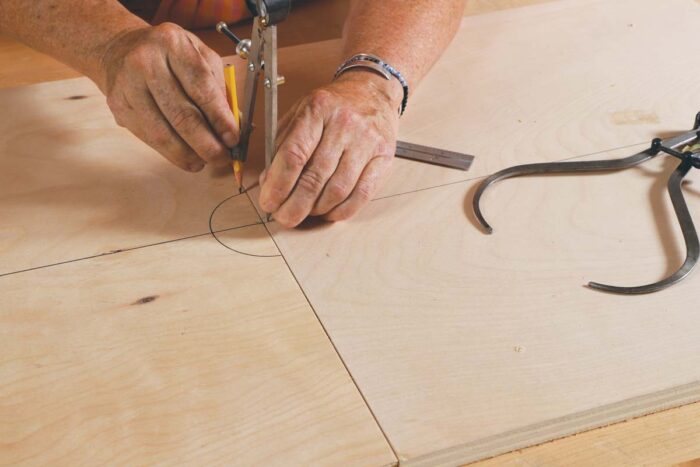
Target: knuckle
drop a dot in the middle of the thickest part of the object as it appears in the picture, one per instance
(385, 149)
(268, 204)
(347, 117)
(169, 33)
(271, 197)
(363, 190)
(338, 190)
(311, 181)
(206, 93)
(294, 156)
(373, 134)
(202, 72)
(160, 137)
(186, 118)
(319, 98)
(213, 153)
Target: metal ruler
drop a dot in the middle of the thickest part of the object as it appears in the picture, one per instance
(430, 155)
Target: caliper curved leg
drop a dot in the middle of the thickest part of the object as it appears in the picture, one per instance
(674, 188)
(553, 168)
(690, 235)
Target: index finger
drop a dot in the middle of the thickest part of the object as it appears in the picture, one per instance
(294, 152)
(203, 82)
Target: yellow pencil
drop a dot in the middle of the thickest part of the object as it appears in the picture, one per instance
(230, 78)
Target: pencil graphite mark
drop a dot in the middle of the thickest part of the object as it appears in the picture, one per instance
(213, 233)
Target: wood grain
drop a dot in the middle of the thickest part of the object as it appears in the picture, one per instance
(510, 94)
(619, 436)
(74, 185)
(479, 335)
(183, 353)
(446, 307)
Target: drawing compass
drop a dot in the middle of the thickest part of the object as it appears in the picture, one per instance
(260, 51)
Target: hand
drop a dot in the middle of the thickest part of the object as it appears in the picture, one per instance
(167, 87)
(334, 148)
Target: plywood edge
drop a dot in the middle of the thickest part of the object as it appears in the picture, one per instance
(560, 427)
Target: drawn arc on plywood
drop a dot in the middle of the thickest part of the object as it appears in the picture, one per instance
(225, 244)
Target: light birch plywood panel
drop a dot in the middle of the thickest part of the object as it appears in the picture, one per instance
(177, 354)
(543, 82)
(101, 179)
(73, 184)
(467, 345)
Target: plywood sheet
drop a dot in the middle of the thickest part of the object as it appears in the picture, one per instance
(467, 345)
(455, 338)
(182, 353)
(74, 185)
(504, 91)
(459, 339)
(129, 335)
(543, 82)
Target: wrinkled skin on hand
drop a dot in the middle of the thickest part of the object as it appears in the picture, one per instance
(165, 86)
(335, 146)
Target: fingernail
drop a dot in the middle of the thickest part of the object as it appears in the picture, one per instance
(230, 139)
(195, 167)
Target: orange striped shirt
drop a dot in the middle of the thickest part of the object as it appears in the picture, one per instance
(197, 14)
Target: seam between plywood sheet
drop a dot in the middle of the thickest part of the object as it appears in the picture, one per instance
(124, 250)
(328, 336)
(560, 427)
(212, 232)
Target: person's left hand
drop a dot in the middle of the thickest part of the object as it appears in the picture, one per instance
(334, 147)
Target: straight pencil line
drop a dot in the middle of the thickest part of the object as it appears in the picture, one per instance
(484, 176)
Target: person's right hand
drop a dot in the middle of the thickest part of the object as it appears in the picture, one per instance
(165, 86)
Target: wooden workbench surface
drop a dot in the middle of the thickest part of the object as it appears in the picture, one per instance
(606, 120)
